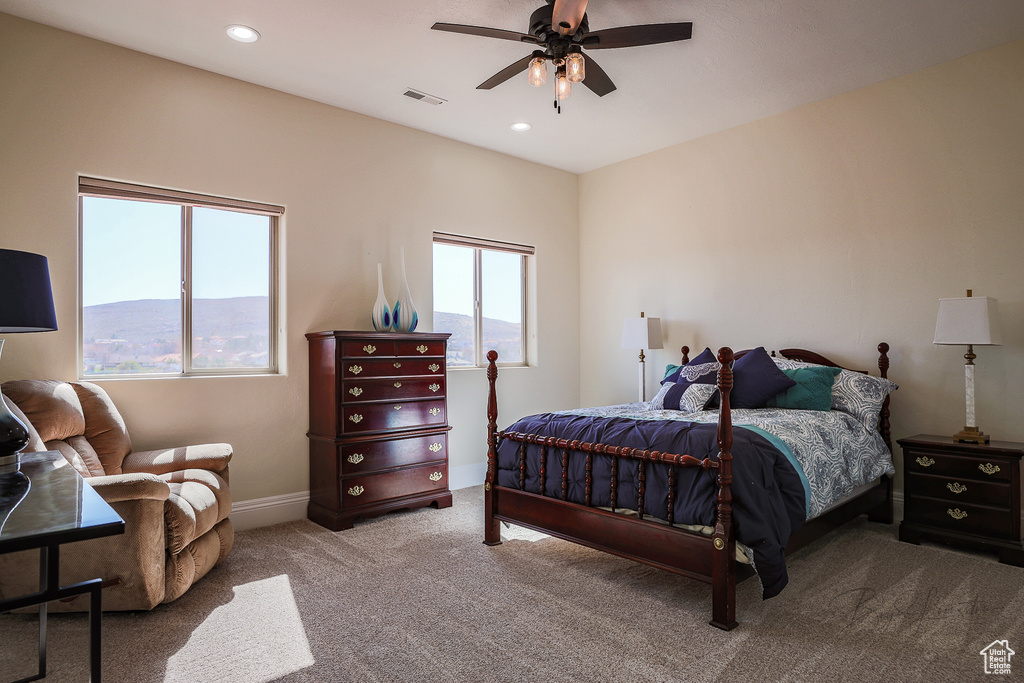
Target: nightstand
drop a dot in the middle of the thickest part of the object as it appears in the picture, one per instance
(963, 493)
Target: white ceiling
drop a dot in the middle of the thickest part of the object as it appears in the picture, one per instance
(748, 59)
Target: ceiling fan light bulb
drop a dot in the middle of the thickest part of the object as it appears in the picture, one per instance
(537, 73)
(575, 68)
(563, 88)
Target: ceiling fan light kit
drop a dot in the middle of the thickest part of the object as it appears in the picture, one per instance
(562, 29)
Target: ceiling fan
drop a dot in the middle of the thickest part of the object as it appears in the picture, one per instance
(561, 31)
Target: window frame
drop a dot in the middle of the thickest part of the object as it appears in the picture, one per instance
(187, 201)
(478, 245)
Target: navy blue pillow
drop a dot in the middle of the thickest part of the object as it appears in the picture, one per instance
(756, 378)
(683, 379)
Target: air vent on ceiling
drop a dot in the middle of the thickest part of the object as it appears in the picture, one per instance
(423, 97)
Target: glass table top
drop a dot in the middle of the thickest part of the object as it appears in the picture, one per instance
(48, 502)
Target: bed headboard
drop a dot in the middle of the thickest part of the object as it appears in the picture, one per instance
(813, 357)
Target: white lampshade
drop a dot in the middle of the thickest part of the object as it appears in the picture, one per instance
(641, 333)
(968, 320)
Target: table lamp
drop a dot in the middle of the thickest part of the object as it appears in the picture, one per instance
(642, 333)
(26, 305)
(971, 321)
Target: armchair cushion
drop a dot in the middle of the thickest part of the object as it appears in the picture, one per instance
(210, 456)
(198, 500)
(115, 488)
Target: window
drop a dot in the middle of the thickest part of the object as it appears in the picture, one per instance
(175, 283)
(480, 298)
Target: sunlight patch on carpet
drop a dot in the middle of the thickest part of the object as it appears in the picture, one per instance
(258, 636)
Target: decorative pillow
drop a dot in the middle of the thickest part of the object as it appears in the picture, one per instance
(658, 402)
(701, 370)
(696, 397)
(755, 379)
(855, 393)
(671, 373)
(813, 390)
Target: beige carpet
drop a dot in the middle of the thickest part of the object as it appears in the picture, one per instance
(416, 596)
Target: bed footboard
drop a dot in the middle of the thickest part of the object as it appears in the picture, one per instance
(711, 559)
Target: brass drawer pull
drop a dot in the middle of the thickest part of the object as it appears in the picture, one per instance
(355, 369)
(355, 391)
(925, 461)
(989, 468)
(433, 367)
(398, 385)
(355, 458)
(356, 417)
(434, 387)
(398, 407)
(435, 447)
(436, 476)
(956, 487)
(355, 490)
(370, 348)
(434, 411)
(956, 513)
(398, 365)
(421, 348)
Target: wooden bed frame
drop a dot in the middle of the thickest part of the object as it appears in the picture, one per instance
(711, 559)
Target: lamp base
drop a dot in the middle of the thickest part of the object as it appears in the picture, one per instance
(971, 435)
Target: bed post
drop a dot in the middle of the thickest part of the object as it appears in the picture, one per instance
(492, 532)
(884, 512)
(686, 354)
(723, 560)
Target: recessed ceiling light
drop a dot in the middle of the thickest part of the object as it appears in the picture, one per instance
(521, 126)
(243, 34)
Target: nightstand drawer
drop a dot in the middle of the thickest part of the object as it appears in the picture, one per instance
(389, 389)
(373, 488)
(358, 458)
(965, 518)
(963, 490)
(957, 466)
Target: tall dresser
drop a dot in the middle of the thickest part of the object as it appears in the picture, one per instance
(378, 424)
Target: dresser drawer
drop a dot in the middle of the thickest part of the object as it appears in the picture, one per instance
(943, 464)
(397, 367)
(370, 456)
(963, 490)
(357, 391)
(962, 517)
(367, 348)
(419, 348)
(372, 488)
(378, 417)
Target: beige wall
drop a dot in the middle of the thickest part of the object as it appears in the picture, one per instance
(831, 227)
(355, 190)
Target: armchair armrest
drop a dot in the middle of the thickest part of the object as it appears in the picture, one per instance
(116, 488)
(210, 456)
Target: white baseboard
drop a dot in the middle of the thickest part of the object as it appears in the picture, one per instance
(257, 512)
(249, 514)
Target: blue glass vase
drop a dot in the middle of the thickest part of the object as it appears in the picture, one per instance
(404, 318)
(381, 316)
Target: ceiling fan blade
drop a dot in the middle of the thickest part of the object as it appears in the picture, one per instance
(597, 80)
(487, 32)
(506, 73)
(634, 36)
(567, 15)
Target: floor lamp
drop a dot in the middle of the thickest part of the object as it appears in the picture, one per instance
(26, 305)
(969, 321)
(642, 333)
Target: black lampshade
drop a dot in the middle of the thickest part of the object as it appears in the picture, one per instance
(26, 300)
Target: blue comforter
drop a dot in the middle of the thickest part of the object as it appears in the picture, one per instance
(769, 500)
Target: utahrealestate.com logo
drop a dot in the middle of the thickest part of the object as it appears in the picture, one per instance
(997, 656)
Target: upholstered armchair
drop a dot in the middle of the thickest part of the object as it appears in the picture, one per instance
(175, 502)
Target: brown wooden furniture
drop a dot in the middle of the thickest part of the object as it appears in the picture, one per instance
(963, 493)
(378, 424)
(707, 558)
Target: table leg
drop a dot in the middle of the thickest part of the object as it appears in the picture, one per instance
(95, 632)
